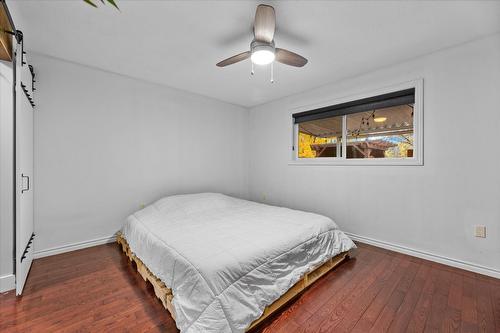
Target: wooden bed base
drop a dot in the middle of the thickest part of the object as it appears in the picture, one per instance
(165, 294)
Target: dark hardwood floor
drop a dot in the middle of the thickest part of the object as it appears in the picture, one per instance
(97, 290)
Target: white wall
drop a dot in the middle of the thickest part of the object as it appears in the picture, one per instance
(105, 144)
(430, 208)
(6, 178)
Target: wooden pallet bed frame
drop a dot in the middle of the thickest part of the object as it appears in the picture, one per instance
(165, 294)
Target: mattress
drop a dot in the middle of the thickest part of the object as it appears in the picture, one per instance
(226, 259)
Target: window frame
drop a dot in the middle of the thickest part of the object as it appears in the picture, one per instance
(416, 160)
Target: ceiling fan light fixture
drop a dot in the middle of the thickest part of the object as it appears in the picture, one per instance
(379, 119)
(262, 49)
(263, 55)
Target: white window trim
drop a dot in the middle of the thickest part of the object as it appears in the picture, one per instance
(418, 124)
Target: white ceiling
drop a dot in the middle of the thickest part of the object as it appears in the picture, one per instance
(179, 43)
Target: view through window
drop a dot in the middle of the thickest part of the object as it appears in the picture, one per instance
(321, 138)
(384, 133)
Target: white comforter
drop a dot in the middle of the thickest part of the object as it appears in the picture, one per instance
(226, 259)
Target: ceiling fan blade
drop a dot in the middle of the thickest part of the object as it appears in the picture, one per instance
(234, 59)
(264, 24)
(289, 58)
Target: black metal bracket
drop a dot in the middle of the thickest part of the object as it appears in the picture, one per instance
(32, 71)
(27, 247)
(18, 35)
(20, 40)
(28, 96)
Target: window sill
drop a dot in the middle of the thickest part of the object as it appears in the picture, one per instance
(359, 162)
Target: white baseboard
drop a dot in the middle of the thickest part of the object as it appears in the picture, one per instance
(7, 282)
(428, 256)
(73, 247)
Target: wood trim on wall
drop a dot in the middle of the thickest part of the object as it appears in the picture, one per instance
(73, 246)
(468, 266)
(7, 282)
(5, 38)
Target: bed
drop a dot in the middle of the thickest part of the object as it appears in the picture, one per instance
(221, 264)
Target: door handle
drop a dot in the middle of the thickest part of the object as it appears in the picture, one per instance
(28, 178)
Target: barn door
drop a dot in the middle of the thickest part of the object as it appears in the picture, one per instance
(24, 169)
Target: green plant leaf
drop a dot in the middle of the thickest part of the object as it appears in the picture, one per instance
(112, 2)
(90, 3)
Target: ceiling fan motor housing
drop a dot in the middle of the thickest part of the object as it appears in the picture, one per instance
(257, 46)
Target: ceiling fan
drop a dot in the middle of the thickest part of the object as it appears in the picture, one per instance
(262, 49)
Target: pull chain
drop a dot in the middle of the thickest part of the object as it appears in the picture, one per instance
(252, 69)
(272, 72)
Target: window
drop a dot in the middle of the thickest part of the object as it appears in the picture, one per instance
(380, 129)
(321, 138)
